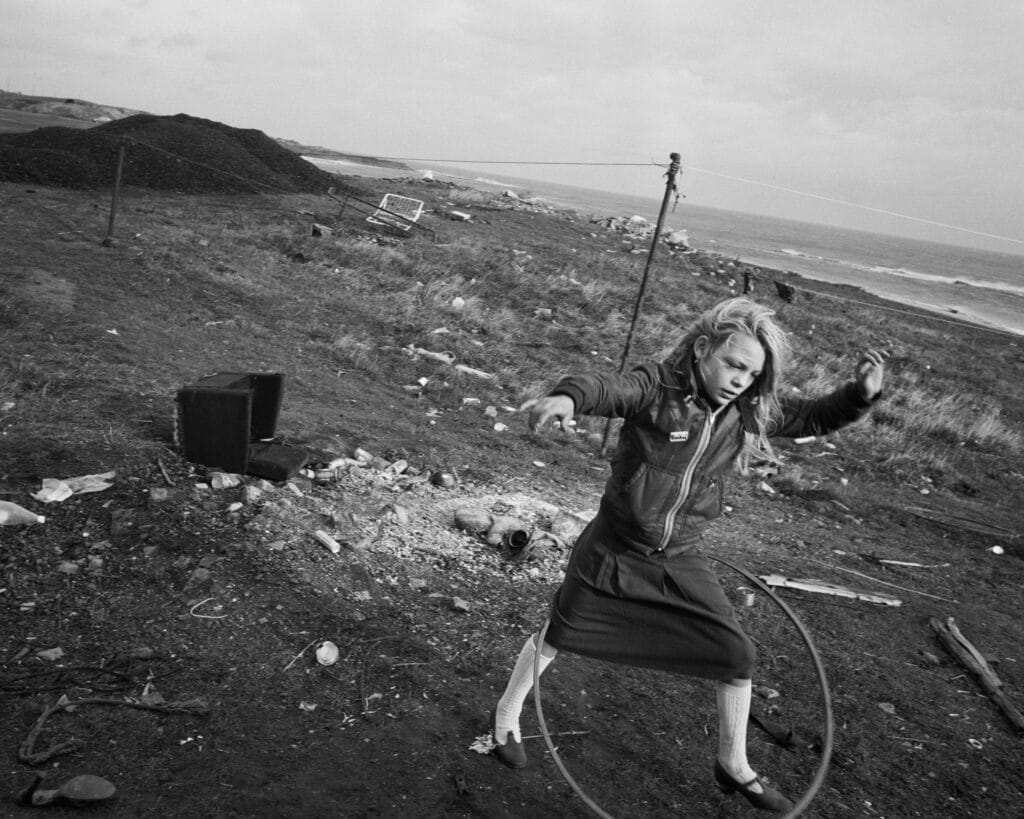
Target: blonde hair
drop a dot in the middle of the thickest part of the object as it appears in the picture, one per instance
(721, 323)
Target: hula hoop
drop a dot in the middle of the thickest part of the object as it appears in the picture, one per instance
(826, 752)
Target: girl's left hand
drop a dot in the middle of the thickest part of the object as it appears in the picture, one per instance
(870, 373)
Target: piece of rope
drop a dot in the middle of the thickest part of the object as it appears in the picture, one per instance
(828, 737)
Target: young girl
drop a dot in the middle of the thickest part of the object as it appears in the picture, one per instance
(637, 589)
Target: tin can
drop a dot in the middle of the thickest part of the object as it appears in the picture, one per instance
(325, 475)
(327, 653)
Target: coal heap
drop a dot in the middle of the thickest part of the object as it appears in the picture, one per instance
(180, 153)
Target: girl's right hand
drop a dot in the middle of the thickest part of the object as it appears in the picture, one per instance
(558, 408)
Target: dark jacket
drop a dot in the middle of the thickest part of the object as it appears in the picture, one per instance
(667, 477)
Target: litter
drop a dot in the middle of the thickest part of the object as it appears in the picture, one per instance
(395, 211)
(446, 358)
(329, 542)
(77, 791)
(227, 421)
(821, 587)
(55, 490)
(462, 368)
(327, 653)
(11, 514)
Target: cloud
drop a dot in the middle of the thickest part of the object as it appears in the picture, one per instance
(182, 40)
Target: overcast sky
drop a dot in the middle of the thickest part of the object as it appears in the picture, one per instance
(909, 106)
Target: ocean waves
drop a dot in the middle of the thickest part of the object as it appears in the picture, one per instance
(916, 275)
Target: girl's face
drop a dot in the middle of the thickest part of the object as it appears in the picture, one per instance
(728, 369)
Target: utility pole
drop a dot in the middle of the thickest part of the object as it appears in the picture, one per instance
(670, 188)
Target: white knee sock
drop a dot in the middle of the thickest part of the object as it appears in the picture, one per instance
(510, 706)
(733, 712)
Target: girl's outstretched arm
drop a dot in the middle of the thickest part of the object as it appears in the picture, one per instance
(827, 413)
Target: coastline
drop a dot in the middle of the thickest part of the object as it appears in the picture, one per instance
(953, 308)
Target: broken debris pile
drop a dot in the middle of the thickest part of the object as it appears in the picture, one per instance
(517, 537)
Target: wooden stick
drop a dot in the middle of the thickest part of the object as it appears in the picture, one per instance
(296, 657)
(163, 470)
(913, 565)
(883, 582)
(970, 658)
(828, 588)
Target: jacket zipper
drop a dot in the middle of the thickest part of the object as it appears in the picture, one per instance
(684, 489)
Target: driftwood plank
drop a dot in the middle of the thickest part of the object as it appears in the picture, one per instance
(820, 587)
(970, 658)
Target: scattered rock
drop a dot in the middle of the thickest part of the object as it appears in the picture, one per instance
(198, 577)
(223, 480)
(473, 519)
(159, 495)
(251, 493)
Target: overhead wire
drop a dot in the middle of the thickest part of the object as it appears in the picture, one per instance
(274, 188)
(649, 163)
(769, 185)
(518, 162)
(348, 198)
(848, 204)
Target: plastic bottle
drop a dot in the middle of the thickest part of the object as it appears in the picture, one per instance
(13, 515)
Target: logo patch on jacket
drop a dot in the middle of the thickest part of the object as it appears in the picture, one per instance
(679, 435)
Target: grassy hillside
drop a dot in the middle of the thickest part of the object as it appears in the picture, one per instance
(227, 587)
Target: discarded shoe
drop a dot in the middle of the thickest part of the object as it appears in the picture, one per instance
(769, 799)
(78, 791)
(512, 753)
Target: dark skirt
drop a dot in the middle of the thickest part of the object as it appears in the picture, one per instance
(668, 613)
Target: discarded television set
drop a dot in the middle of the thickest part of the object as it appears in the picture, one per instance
(228, 421)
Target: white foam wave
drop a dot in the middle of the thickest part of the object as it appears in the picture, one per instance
(495, 182)
(906, 273)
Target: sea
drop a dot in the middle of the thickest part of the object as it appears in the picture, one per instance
(983, 287)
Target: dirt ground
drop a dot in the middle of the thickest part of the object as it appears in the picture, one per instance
(212, 601)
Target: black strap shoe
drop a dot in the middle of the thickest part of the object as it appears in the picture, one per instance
(511, 752)
(768, 799)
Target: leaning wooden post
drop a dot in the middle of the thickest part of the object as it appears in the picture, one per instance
(108, 240)
(670, 188)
